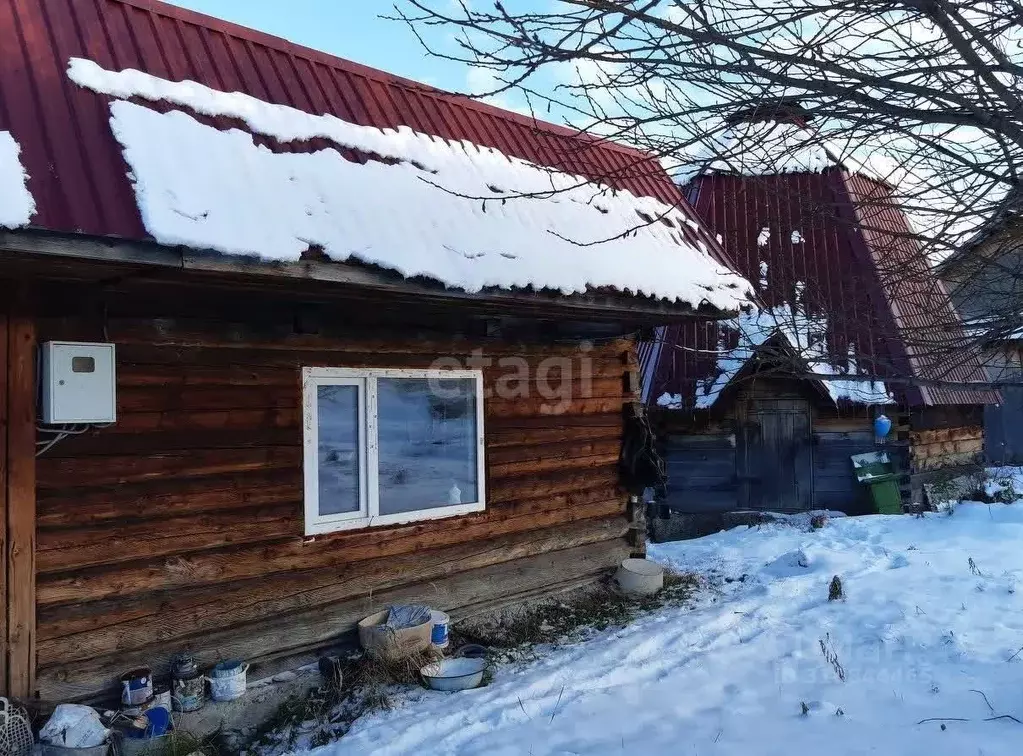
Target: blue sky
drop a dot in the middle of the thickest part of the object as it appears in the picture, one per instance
(354, 29)
(351, 29)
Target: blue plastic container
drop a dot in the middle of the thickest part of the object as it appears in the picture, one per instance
(439, 632)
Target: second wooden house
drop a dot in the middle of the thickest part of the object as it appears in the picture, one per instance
(764, 412)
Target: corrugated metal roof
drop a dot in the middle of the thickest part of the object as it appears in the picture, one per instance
(931, 330)
(860, 272)
(78, 175)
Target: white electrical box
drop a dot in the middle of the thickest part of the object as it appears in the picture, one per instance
(79, 383)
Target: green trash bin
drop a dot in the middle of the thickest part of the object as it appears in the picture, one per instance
(876, 471)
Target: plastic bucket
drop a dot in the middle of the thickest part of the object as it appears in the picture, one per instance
(439, 630)
(640, 577)
(227, 681)
(137, 686)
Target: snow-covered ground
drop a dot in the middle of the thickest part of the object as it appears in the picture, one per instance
(930, 622)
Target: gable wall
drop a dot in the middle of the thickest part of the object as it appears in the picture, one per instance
(988, 281)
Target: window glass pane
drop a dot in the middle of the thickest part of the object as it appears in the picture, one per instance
(338, 452)
(427, 434)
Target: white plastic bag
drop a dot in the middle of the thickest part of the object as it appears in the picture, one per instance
(74, 726)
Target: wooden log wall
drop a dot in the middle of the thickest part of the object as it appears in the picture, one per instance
(180, 527)
(946, 437)
(946, 447)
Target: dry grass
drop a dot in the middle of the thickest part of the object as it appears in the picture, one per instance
(367, 684)
(835, 590)
(565, 618)
(368, 670)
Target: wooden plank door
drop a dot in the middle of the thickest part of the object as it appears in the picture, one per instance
(776, 469)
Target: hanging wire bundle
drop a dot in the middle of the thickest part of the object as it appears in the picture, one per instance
(57, 434)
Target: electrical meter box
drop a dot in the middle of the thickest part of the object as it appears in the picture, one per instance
(79, 383)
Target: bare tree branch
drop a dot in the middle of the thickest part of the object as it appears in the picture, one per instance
(924, 96)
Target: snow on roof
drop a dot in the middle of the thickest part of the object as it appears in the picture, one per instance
(456, 212)
(806, 336)
(994, 328)
(17, 206)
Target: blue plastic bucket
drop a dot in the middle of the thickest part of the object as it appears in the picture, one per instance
(439, 633)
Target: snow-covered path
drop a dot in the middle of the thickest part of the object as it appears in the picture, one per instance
(921, 629)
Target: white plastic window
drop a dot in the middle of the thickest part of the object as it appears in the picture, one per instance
(384, 447)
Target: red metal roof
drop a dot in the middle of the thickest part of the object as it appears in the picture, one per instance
(931, 331)
(78, 175)
(861, 272)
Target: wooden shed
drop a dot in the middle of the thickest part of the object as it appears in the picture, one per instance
(766, 411)
(353, 366)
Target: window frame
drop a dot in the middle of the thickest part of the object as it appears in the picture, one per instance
(368, 515)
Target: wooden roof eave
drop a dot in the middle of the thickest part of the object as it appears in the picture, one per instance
(324, 279)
